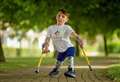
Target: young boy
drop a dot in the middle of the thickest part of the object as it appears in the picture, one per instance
(60, 34)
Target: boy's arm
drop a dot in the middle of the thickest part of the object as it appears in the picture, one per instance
(46, 45)
(74, 34)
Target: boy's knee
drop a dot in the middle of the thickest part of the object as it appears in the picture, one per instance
(61, 59)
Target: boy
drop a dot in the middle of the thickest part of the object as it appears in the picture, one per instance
(60, 34)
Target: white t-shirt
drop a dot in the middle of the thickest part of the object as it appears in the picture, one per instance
(60, 36)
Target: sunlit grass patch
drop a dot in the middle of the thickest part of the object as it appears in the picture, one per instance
(113, 72)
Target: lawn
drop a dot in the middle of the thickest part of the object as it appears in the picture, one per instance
(113, 72)
(12, 64)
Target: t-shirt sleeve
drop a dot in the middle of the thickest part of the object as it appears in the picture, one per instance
(69, 29)
(48, 32)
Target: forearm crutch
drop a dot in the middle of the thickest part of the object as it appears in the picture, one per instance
(86, 59)
(41, 58)
(39, 63)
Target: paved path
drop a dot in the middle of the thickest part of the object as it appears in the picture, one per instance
(82, 72)
(83, 75)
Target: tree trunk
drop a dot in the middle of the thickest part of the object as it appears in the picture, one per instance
(18, 50)
(2, 57)
(77, 49)
(105, 45)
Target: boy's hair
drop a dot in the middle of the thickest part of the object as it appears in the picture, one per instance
(64, 12)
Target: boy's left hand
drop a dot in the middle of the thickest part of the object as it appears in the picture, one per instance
(81, 43)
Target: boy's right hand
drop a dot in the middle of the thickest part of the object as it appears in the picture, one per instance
(45, 49)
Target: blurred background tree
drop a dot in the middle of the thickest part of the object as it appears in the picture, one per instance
(90, 17)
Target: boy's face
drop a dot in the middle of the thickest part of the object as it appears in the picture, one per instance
(61, 18)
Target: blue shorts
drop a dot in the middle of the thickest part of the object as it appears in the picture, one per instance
(69, 52)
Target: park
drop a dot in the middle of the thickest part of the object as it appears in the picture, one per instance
(24, 26)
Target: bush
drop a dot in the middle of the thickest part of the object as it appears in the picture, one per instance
(113, 47)
(113, 72)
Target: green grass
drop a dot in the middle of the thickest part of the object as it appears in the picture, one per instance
(24, 52)
(12, 64)
(114, 72)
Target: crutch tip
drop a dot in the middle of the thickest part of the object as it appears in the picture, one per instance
(36, 71)
(91, 70)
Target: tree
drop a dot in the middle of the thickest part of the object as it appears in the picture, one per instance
(2, 57)
(107, 17)
(91, 16)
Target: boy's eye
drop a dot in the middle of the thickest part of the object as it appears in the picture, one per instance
(61, 16)
(58, 15)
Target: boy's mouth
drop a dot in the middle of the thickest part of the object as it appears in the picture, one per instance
(59, 20)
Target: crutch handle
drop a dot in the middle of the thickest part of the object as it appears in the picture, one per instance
(45, 52)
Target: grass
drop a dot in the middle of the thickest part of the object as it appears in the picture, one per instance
(24, 52)
(113, 72)
(16, 63)
(12, 64)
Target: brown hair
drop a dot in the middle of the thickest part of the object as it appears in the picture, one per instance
(64, 12)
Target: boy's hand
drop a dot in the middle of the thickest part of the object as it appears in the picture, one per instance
(45, 48)
(78, 39)
(81, 43)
